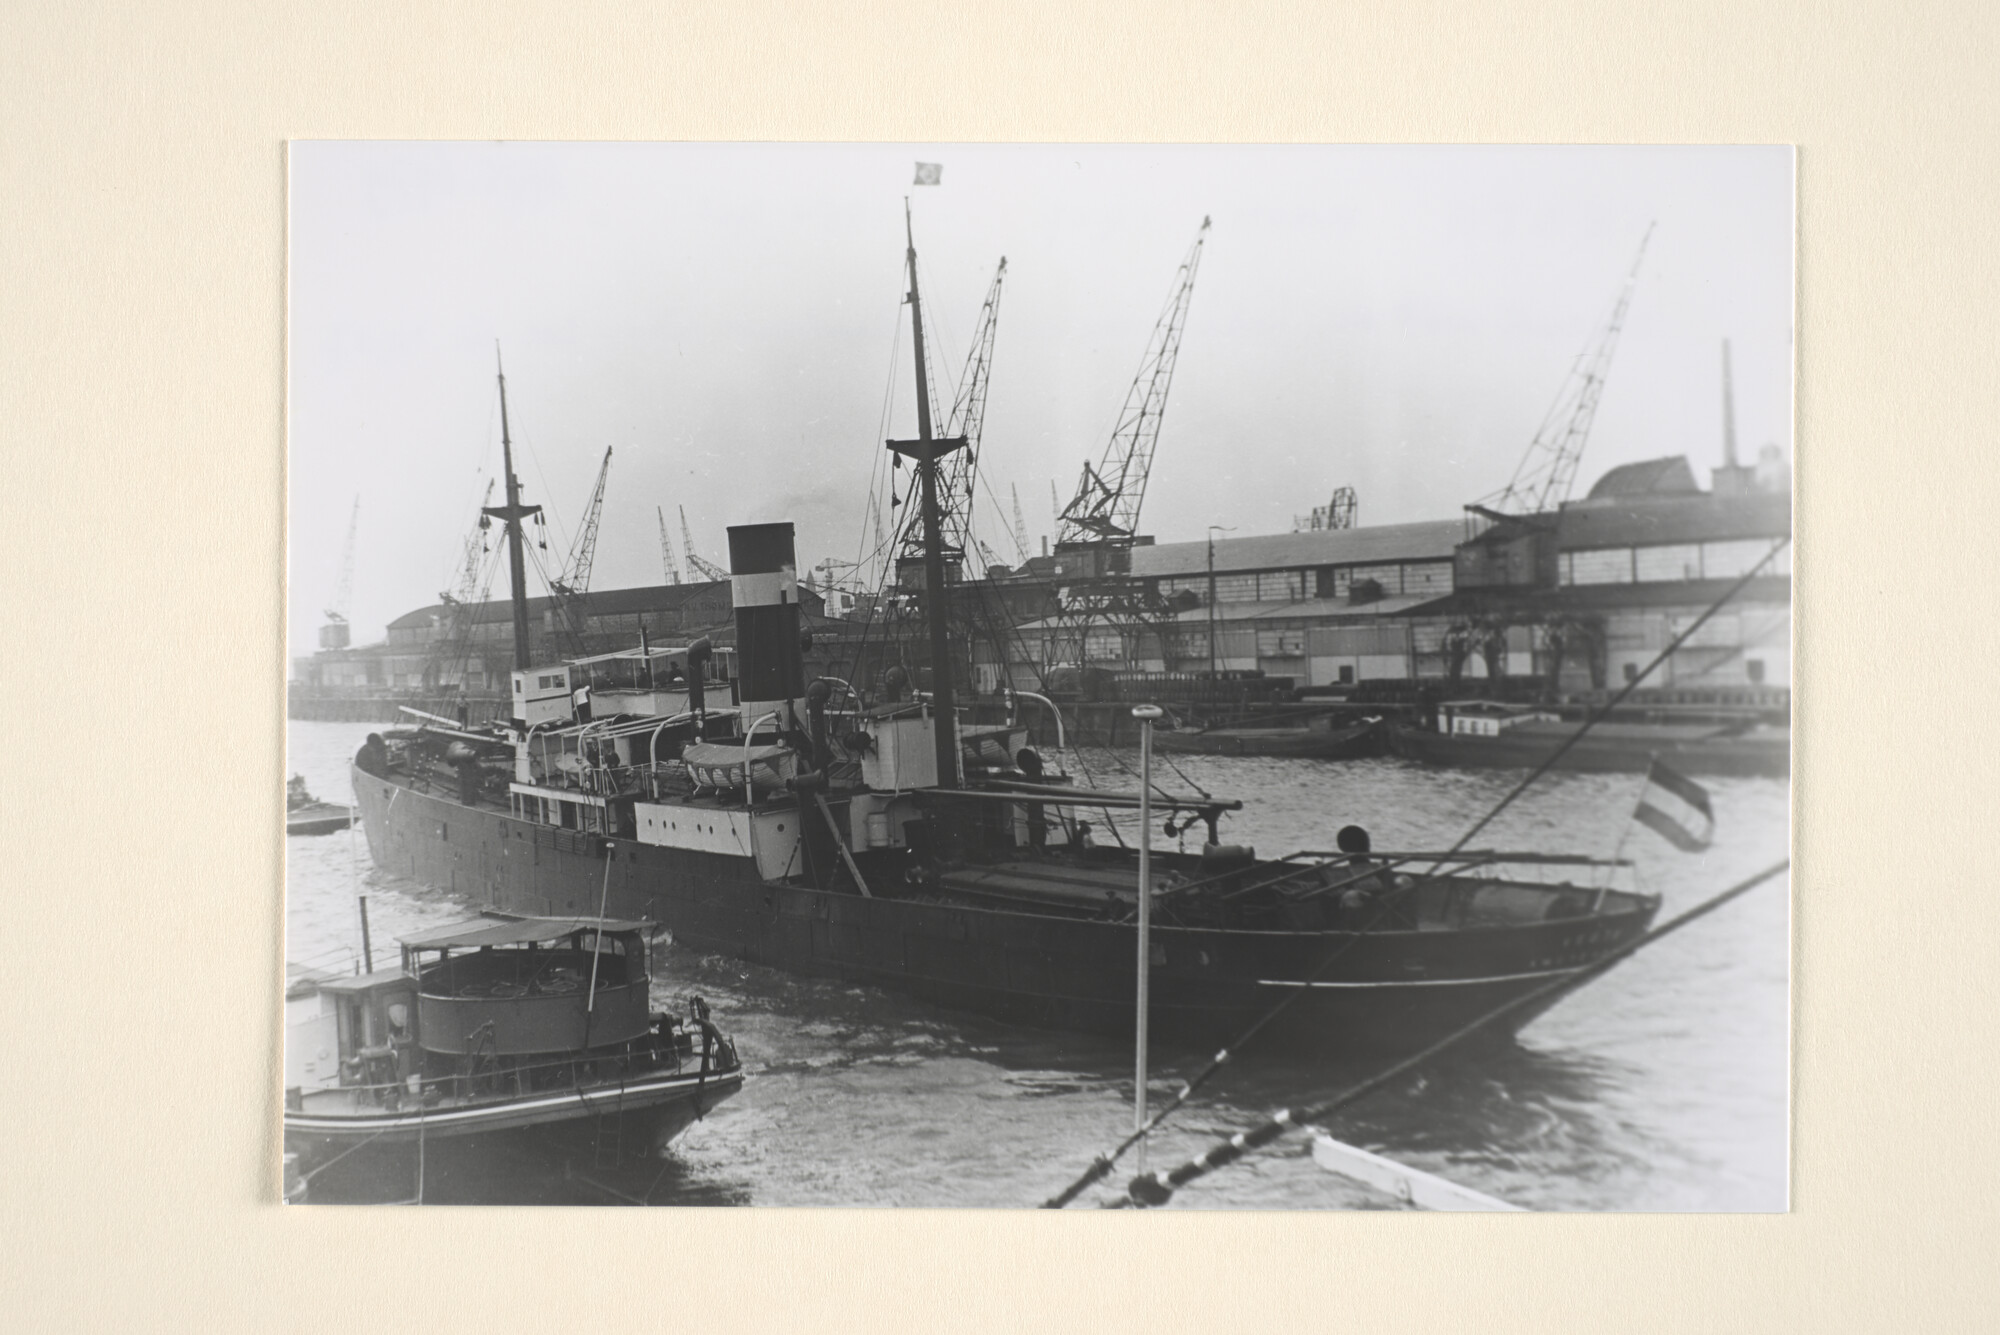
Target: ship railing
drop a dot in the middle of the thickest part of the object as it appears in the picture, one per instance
(715, 1056)
(1304, 874)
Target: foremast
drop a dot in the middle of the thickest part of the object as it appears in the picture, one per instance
(925, 452)
(512, 513)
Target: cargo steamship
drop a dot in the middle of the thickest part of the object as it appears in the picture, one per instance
(788, 823)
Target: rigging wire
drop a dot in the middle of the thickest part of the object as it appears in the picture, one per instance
(880, 456)
(1104, 1162)
(1157, 1188)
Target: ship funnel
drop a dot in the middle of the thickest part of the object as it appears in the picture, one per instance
(763, 586)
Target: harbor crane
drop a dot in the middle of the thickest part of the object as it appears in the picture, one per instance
(574, 581)
(967, 419)
(451, 642)
(1106, 505)
(1341, 512)
(472, 556)
(1020, 529)
(696, 566)
(1542, 481)
(336, 633)
(667, 549)
(571, 587)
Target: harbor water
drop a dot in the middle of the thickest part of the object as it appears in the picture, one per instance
(1662, 1086)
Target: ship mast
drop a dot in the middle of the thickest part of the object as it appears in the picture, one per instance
(512, 513)
(925, 451)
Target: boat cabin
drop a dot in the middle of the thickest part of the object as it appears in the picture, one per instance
(489, 986)
(351, 1031)
(651, 682)
(524, 986)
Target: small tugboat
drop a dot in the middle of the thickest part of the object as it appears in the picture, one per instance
(1321, 738)
(498, 1026)
(306, 814)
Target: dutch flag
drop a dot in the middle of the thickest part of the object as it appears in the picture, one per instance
(1676, 808)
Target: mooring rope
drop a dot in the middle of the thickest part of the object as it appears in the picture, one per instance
(1101, 1166)
(1158, 1188)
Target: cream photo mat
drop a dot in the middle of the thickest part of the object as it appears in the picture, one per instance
(142, 236)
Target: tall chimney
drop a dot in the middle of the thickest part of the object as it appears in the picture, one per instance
(763, 586)
(1728, 412)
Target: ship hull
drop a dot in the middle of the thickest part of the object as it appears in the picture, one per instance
(317, 818)
(1768, 756)
(1387, 991)
(353, 1156)
(1354, 743)
(653, 1111)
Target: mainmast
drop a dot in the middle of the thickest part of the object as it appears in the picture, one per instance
(513, 512)
(926, 451)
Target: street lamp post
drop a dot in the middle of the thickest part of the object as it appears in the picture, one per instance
(1146, 714)
(1213, 529)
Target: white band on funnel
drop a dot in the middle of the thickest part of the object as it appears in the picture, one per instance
(770, 589)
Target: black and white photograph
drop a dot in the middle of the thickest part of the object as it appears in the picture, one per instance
(1022, 676)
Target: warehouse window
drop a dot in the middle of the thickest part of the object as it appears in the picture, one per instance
(1606, 565)
(1235, 588)
(1665, 563)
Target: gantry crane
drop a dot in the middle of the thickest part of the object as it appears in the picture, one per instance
(336, 634)
(1106, 505)
(1020, 530)
(1547, 471)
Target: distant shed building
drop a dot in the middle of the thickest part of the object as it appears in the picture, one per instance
(1583, 596)
(424, 648)
(1589, 594)
(1320, 607)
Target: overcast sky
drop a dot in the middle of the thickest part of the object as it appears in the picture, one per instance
(723, 317)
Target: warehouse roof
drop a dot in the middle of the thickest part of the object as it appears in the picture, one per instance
(1649, 521)
(601, 602)
(1670, 476)
(1429, 540)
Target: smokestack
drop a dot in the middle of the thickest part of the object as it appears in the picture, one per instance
(763, 586)
(1728, 412)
